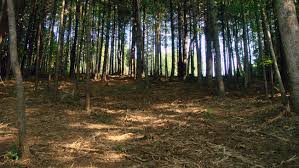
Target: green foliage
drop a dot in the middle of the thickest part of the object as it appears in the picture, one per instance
(209, 114)
(13, 153)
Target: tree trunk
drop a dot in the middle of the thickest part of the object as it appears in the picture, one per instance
(245, 43)
(185, 42)
(20, 105)
(112, 45)
(172, 40)
(51, 43)
(74, 47)
(217, 47)
(88, 56)
(37, 62)
(104, 72)
(59, 55)
(277, 72)
(209, 58)
(180, 59)
(157, 46)
(289, 29)
(137, 19)
(260, 48)
(197, 45)
(166, 54)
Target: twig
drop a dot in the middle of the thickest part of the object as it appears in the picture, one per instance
(2, 81)
(234, 155)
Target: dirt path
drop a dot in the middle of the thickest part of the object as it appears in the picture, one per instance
(170, 125)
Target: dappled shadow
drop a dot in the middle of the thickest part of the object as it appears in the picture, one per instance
(170, 125)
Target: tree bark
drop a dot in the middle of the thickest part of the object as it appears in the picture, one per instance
(88, 56)
(289, 29)
(59, 55)
(172, 40)
(216, 45)
(285, 101)
(20, 105)
(244, 35)
(106, 56)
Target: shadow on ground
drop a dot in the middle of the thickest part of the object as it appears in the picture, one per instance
(169, 125)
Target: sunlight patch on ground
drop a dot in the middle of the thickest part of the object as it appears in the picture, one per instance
(112, 156)
(79, 144)
(93, 126)
(119, 138)
(143, 118)
(181, 108)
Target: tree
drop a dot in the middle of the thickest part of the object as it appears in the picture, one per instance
(285, 101)
(137, 19)
(59, 56)
(289, 29)
(216, 45)
(20, 106)
(88, 56)
(172, 39)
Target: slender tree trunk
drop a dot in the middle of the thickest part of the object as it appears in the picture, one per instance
(111, 69)
(138, 38)
(285, 101)
(74, 46)
(223, 20)
(239, 67)
(157, 46)
(220, 83)
(230, 50)
(197, 37)
(245, 43)
(69, 31)
(79, 51)
(102, 41)
(180, 54)
(172, 40)
(209, 58)
(106, 56)
(37, 62)
(185, 41)
(260, 47)
(50, 43)
(20, 105)
(166, 53)
(59, 55)
(123, 49)
(88, 56)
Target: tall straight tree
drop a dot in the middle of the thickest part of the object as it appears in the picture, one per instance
(13, 49)
(289, 29)
(157, 44)
(172, 39)
(107, 34)
(245, 43)
(88, 55)
(74, 46)
(216, 45)
(59, 55)
(268, 36)
(197, 43)
(51, 42)
(185, 42)
(137, 20)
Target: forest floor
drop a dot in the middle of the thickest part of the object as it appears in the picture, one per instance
(172, 124)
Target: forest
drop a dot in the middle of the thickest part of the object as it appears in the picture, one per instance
(149, 83)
